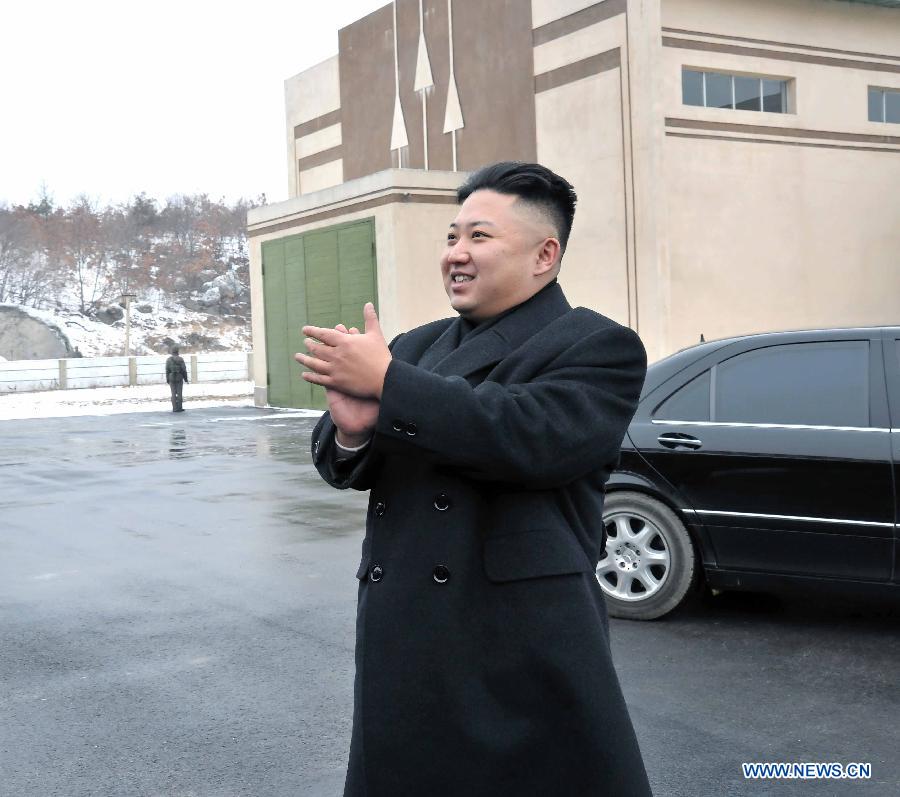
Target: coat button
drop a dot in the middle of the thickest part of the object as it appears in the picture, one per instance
(441, 574)
(376, 573)
(380, 509)
(411, 429)
(399, 426)
(442, 502)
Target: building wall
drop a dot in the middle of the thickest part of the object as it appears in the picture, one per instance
(596, 266)
(312, 102)
(782, 221)
(690, 220)
(412, 210)
(598, 125)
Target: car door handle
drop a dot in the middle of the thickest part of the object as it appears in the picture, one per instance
(679, 440)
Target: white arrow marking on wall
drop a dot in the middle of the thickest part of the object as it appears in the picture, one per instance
(453, 118)
(424, 79)
(398, 129)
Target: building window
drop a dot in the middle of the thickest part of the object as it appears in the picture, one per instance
(738, 92)
(884, 105)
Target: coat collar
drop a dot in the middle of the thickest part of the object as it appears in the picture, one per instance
(482, 349)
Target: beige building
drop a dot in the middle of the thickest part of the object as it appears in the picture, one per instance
(737, 164)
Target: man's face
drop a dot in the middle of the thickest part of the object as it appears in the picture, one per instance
(499, 253)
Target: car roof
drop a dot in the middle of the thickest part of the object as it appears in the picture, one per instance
(665, 368)
(817, 331)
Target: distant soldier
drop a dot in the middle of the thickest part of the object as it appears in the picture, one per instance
(176, 376)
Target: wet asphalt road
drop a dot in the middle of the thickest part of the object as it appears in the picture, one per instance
(176, 618)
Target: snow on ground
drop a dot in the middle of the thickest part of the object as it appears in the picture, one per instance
(115, 400)
(165, 319)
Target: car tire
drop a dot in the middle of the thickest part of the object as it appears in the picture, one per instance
(649, 566)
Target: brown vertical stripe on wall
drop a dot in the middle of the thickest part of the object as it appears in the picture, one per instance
(319, 123)
(580, 19)
(408, 46)
(366, 65)
(569, 73)
(494, 60)
(440, 146)
(493, 55)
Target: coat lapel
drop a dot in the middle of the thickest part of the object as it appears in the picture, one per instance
(481, 350)
(442, 347)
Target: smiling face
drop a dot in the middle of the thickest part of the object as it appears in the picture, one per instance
(500, 252)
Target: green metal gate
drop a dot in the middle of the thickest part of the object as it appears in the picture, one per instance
(322, 278)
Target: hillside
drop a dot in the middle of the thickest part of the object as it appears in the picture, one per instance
(185, 264)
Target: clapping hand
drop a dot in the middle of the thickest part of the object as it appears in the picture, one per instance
(351, 367)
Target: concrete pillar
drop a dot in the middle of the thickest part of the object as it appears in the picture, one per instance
(193, 368)
(249, 365)
(132, 371)
(63, 375)
(651, 305)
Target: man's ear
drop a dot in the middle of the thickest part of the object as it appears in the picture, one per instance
(547, 257)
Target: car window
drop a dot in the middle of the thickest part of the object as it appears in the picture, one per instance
(661, 370)
(821, 384)
(689, 403)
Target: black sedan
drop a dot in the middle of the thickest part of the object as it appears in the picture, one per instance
(759, 462)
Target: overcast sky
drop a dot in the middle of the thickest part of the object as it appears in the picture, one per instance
(111, 98)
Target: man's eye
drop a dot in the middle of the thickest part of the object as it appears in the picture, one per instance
(451, 239)
(479, 234)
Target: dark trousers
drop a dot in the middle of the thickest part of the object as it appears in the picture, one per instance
(176, 386)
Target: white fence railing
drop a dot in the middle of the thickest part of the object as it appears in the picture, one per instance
(26, 376)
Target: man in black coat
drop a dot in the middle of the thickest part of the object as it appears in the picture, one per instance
(483, 665)
(176, 376)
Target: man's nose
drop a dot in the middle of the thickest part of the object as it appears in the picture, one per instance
(458, 253)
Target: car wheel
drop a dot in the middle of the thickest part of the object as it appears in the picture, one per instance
(650, 564)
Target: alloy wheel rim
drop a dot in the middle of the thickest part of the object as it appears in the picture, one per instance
(637, 560)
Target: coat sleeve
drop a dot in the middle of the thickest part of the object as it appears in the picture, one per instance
(357, 473)
(566, 422)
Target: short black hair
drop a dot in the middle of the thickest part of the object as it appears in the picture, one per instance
(534, 184)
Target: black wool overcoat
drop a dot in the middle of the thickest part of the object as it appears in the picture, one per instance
(483, 665)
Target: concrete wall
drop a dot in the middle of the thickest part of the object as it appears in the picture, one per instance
(411, 209)
(592, 153)
(26, 376)
(598, 124)
(782, 221)
(314, 94)
(690, 220)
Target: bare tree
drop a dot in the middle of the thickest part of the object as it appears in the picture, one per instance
(49, 254)
(86, 252)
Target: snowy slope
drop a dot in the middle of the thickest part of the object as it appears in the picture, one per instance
(152, 332)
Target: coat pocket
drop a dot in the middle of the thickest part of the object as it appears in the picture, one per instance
(533, 554)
